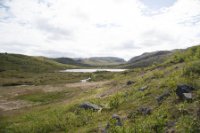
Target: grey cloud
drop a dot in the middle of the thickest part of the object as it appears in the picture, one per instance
(127, 45)
(45, 2)
(80, 15)
(53, 32)
(55, 53)
(3, 5)
(24, 48)
(191, 20)
(5, 11)
(155, 37)
(108, 25)
(16, 47)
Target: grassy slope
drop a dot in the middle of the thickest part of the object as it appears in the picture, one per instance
(28, 63)
(182, 67)
(147, 59)
(16, 69)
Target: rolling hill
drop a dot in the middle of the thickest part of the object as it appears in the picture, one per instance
(147, 100)
(147, 59)
(26, 63)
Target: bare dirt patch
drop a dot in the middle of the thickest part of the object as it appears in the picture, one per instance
(8, 95)
(87, 85)
(12, 105)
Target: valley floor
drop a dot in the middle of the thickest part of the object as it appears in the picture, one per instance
(141, 100)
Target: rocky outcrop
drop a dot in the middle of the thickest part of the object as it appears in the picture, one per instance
(117, 122)
(184, 92)
(162, 97)
(88, 105)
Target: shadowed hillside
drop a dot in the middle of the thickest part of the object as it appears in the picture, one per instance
(93, 61)
(147, 59)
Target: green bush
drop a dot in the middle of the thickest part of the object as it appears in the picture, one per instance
(158, 74)
(192, 69)
(115, 101)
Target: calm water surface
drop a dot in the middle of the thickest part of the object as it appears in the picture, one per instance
(92, 70)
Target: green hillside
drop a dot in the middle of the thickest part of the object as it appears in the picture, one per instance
(28, 63)
(147, 59)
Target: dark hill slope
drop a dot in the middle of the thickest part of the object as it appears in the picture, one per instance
(148, 59)
(102, 61)
(69, 61)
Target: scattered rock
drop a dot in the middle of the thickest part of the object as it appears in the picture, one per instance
(162, 97)
(198, 113)
(143, 88)
(88, 105)
(145, 110)
(130, 82)
(184, 92)
(187, 96)
(172, 130)
(176, 67)
(117, 117)
(170, 124)
(117, 123)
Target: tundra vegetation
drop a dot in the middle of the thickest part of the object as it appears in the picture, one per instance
(36, 98)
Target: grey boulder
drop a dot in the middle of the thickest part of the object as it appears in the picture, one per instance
(88, 105)
(184, 92)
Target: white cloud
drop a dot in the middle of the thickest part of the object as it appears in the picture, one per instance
(83, 28)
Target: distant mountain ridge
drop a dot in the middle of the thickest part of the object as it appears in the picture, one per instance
(92, 61)
(21, 62)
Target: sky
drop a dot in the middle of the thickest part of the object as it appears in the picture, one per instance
(88, 28)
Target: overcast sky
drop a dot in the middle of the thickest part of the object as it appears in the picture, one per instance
(85, 28)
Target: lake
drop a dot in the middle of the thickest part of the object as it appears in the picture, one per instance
(92, 70)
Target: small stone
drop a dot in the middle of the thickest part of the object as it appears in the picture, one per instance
(170, 131)
(162, 97)
(187, 96)
(129, 82)
(88, 105)
(144, 110)
(118, 123)
(143, 88)
(170, 124)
